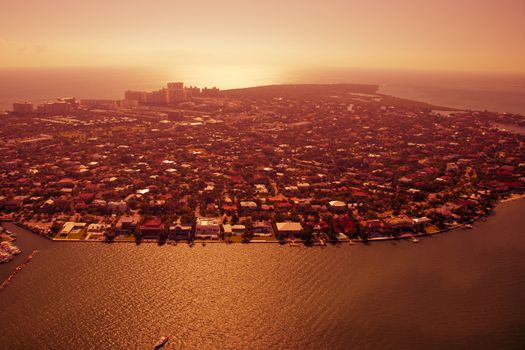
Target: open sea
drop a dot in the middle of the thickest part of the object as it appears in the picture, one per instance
(460, 290)
(497, 92)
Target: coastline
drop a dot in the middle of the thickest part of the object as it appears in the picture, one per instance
(513, 197)
(63, 278)
(296, 242)
(385, 235)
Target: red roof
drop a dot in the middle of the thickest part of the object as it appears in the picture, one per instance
(229, 207)
(151, 223)
(344, 223)
(282, 205)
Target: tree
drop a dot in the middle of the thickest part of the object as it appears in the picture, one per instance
(308, 235)
(247, 236)
(235, 219)
(109, 234)
(55, 228)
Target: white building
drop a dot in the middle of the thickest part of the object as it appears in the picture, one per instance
(207, 228)
(248, 205)
(72, 228)
(289, 228)
(97, 231)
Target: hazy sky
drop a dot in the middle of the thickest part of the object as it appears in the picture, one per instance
(486, 35)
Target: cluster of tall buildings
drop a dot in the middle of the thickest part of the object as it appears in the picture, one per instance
(172, 93)
(60, 106)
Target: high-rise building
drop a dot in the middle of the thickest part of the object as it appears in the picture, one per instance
(99, 103)
(177, 95)
(173, 93)
(22, 107)
(158, 97)
(192, 91)
(176, 92)
(59, 107)
(176, 86)
(139, 96)
(213, 92)
(71, 100)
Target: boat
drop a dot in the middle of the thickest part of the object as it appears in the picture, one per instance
(469, 226)
(163, 340)
(414, 239)
(10, 248)
(5, 257)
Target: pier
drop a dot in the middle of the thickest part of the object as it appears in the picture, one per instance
(17, 270)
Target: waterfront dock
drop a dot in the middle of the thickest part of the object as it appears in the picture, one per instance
(19, 268)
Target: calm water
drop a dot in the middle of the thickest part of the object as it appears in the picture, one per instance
(499, 92)
(494, 92)
(461, 290)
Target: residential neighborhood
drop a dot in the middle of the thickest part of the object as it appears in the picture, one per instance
(269, 164)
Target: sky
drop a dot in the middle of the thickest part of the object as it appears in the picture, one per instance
(270, 36)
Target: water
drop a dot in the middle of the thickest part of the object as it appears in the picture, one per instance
(477, 91)
(38, 85)
(460, 290)
(498, 92)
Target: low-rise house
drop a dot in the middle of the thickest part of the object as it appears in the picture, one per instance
(227, 229)
(421, 223)
(127, 224)
(248, 205)
(262, 228)
(229, 208)
(238, 229)
(72, 228)
(261, 189)
(289, 229)
(345, 224)
(96, 231)
(373, 227)
(337, 205)
(267, 207)
(119, 206)
(400, 223)
(151, 228)
(177, 230)
(207, 228)
(12, 205)
(99, 203)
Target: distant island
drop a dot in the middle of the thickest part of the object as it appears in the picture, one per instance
(293, 164)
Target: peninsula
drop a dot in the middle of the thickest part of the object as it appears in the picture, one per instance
(283, 163)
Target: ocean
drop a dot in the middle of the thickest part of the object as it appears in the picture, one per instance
(458, 290)
(477, 91)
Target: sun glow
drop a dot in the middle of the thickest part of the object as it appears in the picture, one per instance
(227, 76)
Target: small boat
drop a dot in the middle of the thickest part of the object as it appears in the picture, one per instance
(414, 239)
(163, 340)
(9, 248)
(469, 226)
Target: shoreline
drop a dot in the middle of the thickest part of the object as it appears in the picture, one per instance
(294, 242)
(513, 197)
(283, 243)
(404, 236)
